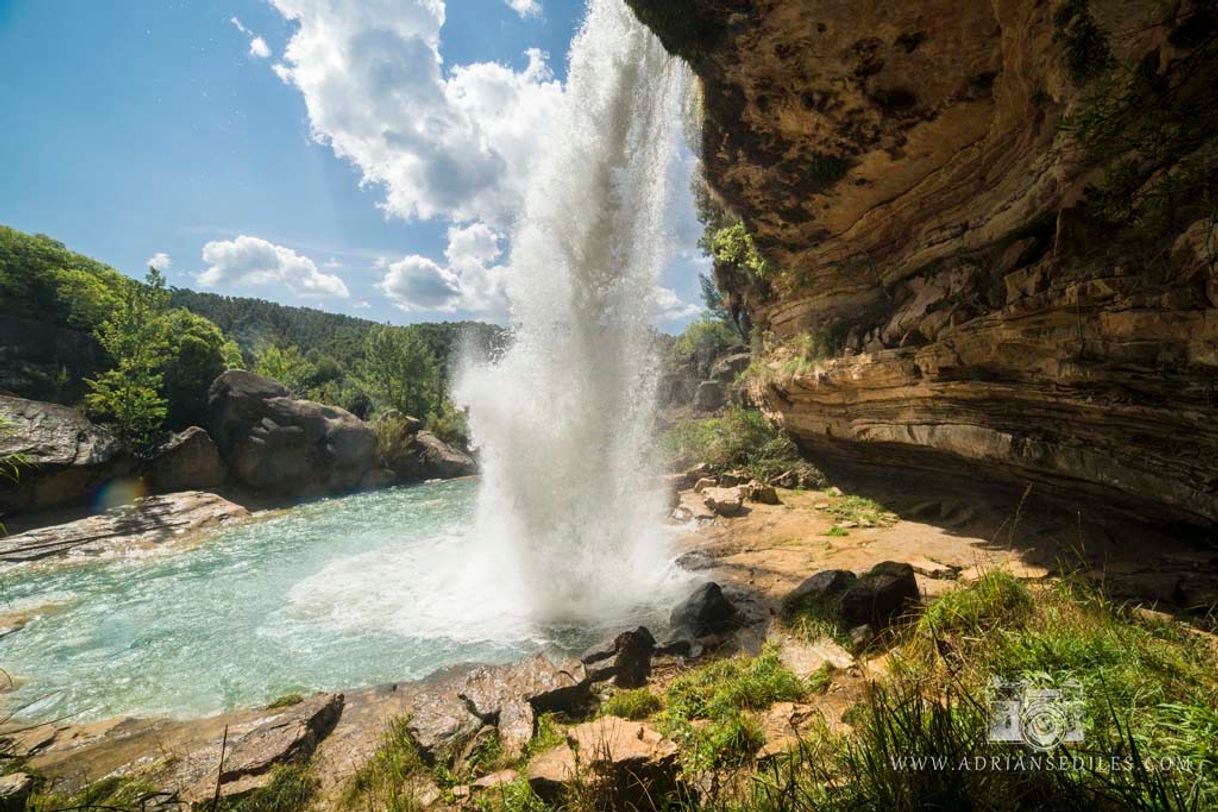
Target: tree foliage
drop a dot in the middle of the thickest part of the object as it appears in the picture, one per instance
(400, 372)
(135, 337)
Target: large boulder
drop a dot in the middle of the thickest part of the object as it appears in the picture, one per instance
(189, 460)
(274, 442)
(414, 455)
(874, 599)
(65, 457)
(439, 460)
(878, 597)
(510, 696)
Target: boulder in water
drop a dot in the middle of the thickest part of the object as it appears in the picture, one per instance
(276, 443)
(189, 460)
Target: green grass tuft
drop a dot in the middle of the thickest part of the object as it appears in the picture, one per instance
(997, 598)
(285, 701)
(388, 779)
(635, 704)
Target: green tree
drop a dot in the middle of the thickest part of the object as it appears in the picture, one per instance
(196, 353)
(400, 371)
(286, 365)
(135, 337)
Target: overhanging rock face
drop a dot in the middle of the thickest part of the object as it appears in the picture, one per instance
(985, 292)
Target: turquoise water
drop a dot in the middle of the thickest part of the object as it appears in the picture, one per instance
(337, 594)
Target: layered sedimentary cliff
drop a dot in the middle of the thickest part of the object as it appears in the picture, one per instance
(992, 228)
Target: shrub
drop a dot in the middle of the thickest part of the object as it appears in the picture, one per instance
(741, 438)
(734, 245)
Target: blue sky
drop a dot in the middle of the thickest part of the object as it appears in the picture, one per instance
(257, 144)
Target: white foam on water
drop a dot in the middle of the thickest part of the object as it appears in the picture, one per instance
(564, 419)
(426, 590)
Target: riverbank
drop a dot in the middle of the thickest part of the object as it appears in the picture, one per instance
(440, 740)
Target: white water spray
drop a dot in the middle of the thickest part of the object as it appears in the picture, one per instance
(565, 419)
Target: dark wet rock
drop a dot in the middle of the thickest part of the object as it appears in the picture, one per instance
(276, 443)
(66, 458)
(632, 658)
(875, 599)
(189, 460)
(878, 597)
(628, 763)
(378, 478)
(148, 521)
(675, 648)
(695, 560)
(705, 612)
(818, 590)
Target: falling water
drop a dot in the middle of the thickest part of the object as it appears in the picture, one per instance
(565, 419)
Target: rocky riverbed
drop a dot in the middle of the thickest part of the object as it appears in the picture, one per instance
(754, 562)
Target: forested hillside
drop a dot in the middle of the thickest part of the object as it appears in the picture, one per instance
(141, 356)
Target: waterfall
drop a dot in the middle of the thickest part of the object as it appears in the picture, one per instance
(564, 420)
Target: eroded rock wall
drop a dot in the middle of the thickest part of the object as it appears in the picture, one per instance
(917, 172)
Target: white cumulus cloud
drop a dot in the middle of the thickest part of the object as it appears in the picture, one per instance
(160, 260)
(418, 283)
(457, 144)
(667, 306)
(249, 261)
(472, 281)
(525, 8)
